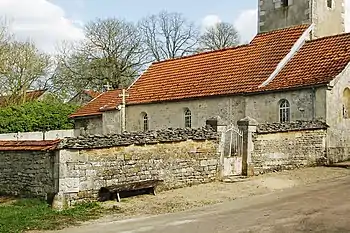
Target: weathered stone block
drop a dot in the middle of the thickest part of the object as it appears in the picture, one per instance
(69, 185)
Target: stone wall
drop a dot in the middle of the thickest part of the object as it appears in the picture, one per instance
(91, 125)
(305, 105)
(328, 21)
(287, 146)
(338, 140)
(171, 114)
(27, 173)
(180, 157)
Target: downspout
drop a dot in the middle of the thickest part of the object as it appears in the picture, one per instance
(313, 97)
(311, 18)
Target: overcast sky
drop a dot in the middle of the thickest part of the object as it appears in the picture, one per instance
(47, 22)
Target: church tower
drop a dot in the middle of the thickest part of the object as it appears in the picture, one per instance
(326, 15)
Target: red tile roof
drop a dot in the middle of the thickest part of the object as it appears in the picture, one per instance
(93, 108)
(29, 145)
(30, 96)
(237, 70)
(92, 93)
(317, 62)
(228, 71)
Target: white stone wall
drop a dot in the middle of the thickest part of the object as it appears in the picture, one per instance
(339, 131)
(37, 136)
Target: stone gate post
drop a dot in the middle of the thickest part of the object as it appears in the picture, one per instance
(248, 126)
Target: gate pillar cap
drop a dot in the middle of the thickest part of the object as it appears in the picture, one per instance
(247, 121)
(219, 120)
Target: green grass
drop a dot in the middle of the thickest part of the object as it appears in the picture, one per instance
(33, 214)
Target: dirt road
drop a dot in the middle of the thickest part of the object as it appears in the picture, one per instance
(320, 207)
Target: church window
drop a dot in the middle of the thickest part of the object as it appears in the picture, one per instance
(285, 3)
(144, 122)
(346, 103)
(329, 3)
(188, 118)
(284, 111)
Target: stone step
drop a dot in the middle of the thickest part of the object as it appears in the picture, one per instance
(234, 179)
(345, 164)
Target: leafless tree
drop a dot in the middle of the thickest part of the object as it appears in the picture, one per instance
(112, 53)
(219, 36)
(23, 67)
(168, 35)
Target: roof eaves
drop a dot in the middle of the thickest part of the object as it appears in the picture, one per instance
(86, 115)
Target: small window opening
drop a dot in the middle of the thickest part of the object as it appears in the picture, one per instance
(284, 111)
(330, 3)
(188, 118)
(346, 103)
(285, 3)
(145, 122)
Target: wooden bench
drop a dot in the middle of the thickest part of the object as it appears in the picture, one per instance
(113, 192)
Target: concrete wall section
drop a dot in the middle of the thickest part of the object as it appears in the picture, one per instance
(38, 136)
(27, 173)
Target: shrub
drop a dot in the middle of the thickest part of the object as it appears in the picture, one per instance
(36, 116)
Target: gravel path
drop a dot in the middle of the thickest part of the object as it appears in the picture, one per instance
(213, 193)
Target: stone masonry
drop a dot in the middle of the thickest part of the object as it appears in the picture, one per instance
(179, 157)
(289, 145)
(27, 173)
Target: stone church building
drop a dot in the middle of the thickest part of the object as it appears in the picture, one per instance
(295, 69)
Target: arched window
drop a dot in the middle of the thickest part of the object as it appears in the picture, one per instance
(188, 118)
(346, 103)
(284, 111)
(144, 121)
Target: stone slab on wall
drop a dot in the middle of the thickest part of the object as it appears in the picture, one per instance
(83, 172)
(139, 138)
(287, 150)
(27, 173)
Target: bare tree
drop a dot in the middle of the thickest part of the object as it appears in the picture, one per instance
(23, 67)
(168, 35)
(112, 53)
(219, 36)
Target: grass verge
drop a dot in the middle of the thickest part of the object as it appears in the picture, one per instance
(32, 214)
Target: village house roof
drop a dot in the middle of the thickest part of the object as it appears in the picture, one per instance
(95, 107)
(29, 96)
(239, 70)
(47, 145)
(91, 93)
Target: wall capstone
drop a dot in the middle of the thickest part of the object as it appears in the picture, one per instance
(139, 138)
(291, 126)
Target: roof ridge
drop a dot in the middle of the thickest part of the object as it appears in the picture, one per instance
(284, 29)
(328, 37)
(202, 53)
